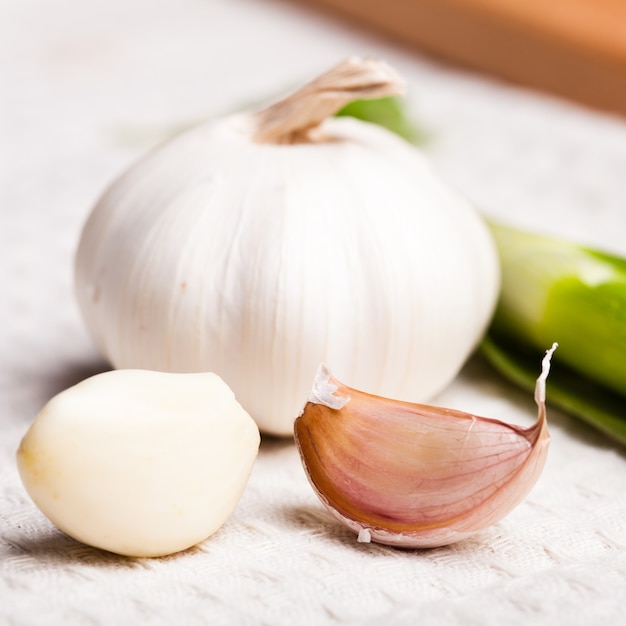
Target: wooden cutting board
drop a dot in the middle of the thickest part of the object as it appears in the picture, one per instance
(572, 48)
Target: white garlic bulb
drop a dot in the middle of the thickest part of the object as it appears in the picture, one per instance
(140, 463)
(261, 244)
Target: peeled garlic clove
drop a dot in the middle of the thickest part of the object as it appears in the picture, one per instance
(412, 475)
(140, 463)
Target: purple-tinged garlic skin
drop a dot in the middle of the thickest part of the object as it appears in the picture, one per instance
(412, 475)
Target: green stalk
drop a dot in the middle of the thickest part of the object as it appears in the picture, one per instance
(553, 290)
(389, 112)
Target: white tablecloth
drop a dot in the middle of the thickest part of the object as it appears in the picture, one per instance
(86, 87)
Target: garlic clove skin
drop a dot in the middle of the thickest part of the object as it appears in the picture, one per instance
(140, 463)
(415, 476)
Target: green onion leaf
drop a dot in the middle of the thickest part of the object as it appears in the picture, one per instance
(555, 290)
(388, 112)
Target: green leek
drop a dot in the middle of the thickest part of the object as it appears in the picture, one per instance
(389, 112)
(554, 290)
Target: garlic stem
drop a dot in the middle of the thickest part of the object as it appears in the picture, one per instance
(292, 119)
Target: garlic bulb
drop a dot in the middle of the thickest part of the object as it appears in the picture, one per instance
(140, 463)
(258, 245)
(411, 475)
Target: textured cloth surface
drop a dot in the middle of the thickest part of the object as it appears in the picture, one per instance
(85, 88)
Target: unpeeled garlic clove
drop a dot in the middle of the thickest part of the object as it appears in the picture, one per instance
(412, 475)
(140, 463)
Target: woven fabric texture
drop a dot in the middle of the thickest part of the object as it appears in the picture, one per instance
(87, 87)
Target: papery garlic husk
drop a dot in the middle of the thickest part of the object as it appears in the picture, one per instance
(259, 245)
(411, 475)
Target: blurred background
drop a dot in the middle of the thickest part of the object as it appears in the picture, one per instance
(573, 48)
